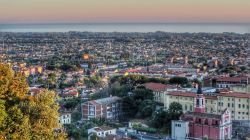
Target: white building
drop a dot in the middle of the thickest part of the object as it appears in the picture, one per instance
(101, 131)
(65, 118)
(180, 129)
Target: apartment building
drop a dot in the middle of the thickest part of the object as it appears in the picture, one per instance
(108, 108)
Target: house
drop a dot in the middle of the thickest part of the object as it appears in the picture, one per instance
(65, 118)
(198, 124)
(69, 93)
(108, 108)
(102, 131)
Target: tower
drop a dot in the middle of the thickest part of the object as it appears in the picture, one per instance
(199, 101)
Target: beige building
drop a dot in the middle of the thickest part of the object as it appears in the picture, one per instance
(241, 88)
(237, 103)
(159, 90)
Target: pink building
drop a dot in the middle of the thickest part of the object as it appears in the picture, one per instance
(199, 124)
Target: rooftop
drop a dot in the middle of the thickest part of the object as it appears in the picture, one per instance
(203, 115)
(103, 128)
(157, 86)
(107, 100)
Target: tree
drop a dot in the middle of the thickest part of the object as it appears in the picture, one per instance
(146, 108)
(129, 107)
(94, 137)
(22, 116)
(178, 80)
(158, 118)
(143, 94)
(76, 116)
(175, 107)
(174, 112)
(3, 114)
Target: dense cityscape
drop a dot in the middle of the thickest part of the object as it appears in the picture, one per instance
(126, 86)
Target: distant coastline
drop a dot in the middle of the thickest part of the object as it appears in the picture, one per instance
(129, 27)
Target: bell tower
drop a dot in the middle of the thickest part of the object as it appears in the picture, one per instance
(199, 101)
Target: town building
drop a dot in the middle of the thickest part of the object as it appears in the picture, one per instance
(65, 118)
(159, 90)
(101, 131)
(108, 108)
(198, 124)
(237, 103)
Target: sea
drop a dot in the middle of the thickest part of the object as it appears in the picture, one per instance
(240, 28)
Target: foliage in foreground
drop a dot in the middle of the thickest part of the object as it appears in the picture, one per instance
(26, 117)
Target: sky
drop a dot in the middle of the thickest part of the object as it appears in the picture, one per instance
(155, 11)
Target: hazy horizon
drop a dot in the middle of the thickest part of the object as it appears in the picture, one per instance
(129, 27)
(121, 11)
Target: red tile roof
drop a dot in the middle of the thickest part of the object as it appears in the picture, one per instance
(189, 94)
(228, 94)
(236, 94)
(230, 79)
(157, 86)
(181, 93)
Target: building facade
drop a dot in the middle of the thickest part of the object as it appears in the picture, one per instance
(65, 118)
(108, 108)
(102, 131)
(201, 124)
(236, 102)
(159, 90)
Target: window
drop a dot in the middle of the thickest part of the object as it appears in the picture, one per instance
(243, 106)
(239, 105)
(228, 104)
(243, 113)
(238, 112)
(232, 104)
(228, 99)
(239, 100)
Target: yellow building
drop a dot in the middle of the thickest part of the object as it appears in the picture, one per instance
(237, 103)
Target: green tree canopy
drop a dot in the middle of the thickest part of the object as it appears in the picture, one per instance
(178, 80)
